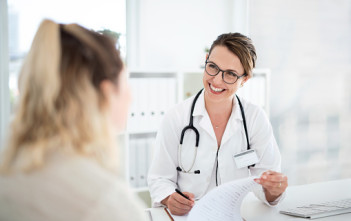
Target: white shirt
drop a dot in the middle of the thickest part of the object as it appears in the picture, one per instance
(164, 178)
(68, 188)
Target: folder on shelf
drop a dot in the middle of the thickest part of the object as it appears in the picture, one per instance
(143, 101)
(141, 161)
(132, 163)
(152, 95)
(132, 121)
(150, 151)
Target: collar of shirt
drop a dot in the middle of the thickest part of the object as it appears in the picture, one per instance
(200, 109)
(205, 122)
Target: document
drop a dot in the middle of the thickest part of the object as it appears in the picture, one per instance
(222, 203)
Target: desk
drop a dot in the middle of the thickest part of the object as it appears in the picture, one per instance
(253, 209)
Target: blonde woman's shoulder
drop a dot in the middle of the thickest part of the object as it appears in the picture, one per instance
(68, 188)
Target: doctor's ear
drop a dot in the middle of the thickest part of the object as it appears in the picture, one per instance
(246, 78)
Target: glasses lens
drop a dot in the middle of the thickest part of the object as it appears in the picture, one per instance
(230, 77)
(211, 69)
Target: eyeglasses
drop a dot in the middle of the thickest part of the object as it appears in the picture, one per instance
(228, 77)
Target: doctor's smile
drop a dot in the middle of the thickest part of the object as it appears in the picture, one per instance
(215, 90)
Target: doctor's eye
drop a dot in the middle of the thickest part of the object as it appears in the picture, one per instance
(212, 66)
(211, 69)
(231, 74)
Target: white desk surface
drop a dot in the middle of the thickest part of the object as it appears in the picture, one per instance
(253, 209)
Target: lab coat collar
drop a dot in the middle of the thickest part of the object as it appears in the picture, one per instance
(200, 109)
(236, 112)
(233, 122)
(205, 122)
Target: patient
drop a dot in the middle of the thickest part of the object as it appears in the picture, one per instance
(60, 160)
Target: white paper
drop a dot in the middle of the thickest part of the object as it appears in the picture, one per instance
(222, 203)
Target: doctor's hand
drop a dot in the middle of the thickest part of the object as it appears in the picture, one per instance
(273, 183)
(179, 205)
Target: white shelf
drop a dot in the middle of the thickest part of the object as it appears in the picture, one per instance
(153, 92)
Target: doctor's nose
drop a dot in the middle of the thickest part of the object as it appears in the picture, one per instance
(218, 79)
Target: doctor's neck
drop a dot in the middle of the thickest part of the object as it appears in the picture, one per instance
(216, 108)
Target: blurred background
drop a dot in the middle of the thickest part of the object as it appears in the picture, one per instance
(304, 45)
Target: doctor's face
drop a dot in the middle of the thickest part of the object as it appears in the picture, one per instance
(217, 90)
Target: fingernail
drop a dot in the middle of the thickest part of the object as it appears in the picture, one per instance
(257, 181)
(264, 177)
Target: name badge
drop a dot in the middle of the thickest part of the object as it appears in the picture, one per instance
(245, 158)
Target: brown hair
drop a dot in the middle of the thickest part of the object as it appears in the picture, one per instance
(61, 104)
(241, 46)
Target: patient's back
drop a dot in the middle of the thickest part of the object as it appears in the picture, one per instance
(67, 188)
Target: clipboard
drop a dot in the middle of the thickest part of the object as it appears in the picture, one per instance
(164, 214)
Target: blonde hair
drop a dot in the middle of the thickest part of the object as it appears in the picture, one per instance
(61, 104)
(241, 46)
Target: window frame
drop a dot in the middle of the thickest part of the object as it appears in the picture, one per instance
(4, 72)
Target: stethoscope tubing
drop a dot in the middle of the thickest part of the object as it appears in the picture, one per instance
(180, 168)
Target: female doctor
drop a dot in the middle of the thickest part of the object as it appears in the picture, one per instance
(201, 139)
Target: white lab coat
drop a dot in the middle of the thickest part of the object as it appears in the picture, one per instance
(163, 177)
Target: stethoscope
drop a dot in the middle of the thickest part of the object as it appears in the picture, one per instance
(180, 168)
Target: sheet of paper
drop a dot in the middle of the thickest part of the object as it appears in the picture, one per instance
(222, 203)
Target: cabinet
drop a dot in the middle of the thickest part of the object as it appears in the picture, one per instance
(153, 93)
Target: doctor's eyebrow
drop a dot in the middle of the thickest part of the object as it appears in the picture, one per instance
(232, 70)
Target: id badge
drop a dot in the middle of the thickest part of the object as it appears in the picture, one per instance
(245, 158)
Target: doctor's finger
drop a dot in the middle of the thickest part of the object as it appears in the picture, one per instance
(177, 211)
(178, 208)
(274, 185)
(182, 200)
(270, 172)
(278, 177)
(190, 195)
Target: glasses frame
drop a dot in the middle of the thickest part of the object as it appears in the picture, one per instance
(220, 70)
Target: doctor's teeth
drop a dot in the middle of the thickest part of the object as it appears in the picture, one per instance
(216, 89)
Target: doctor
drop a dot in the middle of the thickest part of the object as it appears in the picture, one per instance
(201, 139)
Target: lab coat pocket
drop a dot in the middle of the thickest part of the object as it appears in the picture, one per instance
(193, 183)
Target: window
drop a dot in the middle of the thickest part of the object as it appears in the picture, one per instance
(307, 46)
(25, 16)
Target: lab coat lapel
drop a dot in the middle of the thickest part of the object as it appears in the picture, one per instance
(205, 122)
(234, 122)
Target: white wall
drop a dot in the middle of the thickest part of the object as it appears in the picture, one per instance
(174, 34)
